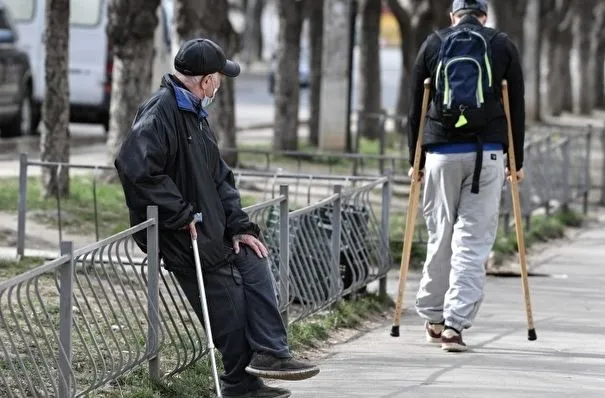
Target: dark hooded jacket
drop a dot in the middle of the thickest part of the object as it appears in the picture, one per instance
(170, 158)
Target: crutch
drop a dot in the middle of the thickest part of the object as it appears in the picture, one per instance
(512, 167)
(411, 214)
(200, 281)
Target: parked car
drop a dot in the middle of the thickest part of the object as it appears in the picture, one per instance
(90, 55)
(303, 71)
(16, 84)
(90, 60)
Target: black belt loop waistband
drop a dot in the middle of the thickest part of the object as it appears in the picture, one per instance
(478, 165)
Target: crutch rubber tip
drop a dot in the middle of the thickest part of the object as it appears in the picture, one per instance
(531, 334)
(395, 331)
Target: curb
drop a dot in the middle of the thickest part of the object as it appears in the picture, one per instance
(264, 126)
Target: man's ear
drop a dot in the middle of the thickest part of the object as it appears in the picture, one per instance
(452, 18)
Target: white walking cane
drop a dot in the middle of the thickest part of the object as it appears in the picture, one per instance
(200, 281)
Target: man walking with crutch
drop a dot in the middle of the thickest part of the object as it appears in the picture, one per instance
(462, 164)
(171, 159)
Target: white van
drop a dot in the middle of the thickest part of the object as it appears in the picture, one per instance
(90, 63)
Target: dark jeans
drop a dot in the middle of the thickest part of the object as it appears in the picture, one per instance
(243, 313)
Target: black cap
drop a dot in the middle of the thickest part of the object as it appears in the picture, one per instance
(477, 5)
(199, 57)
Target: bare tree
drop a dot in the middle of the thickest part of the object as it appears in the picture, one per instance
(585, 42)
(290, 13)
(416, 20)
(599, 32)
(54, 143)
(210, 19)
(253, 34)
(557, 39)
(532, 59)
(370, 83)
(316, 27)
(130, 29)
(510, 16)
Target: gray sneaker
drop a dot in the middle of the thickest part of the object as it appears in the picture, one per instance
(271, 367)
(263, 392)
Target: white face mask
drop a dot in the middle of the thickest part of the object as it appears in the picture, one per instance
(208, 100)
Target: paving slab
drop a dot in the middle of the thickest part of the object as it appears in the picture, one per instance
(567, 359)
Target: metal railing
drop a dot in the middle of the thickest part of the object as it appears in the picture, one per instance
(354, 164)
(557, 167)
(95, 313)
(558, 173)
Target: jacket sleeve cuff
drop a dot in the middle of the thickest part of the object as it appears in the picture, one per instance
(248, 228)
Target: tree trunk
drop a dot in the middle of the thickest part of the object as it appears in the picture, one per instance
(566, 82)
(441, 13)
(316, 28)
(131, 27)
(532, 60)
(559, 77)
(403, 21)
(599, 98)
(584, 53)
(191, 21)
(370, 83)
(416, 22)
(54, 143)
(336, 82)
(556, 31)
(253, 34)
(510, 16)
(287, 78)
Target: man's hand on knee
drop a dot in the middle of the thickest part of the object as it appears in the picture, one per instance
(255, 244)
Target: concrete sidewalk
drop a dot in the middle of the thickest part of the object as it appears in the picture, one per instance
(567, 360)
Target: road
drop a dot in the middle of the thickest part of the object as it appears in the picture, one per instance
(254, 107)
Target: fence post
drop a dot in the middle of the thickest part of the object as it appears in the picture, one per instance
(22, 205)
(527, 205)
(153, 276)
(587, 183)
(383, 138)
(602, 199)
(66, 277)
(385, 221)
(336, 230)
(284, 252)
(549, 174)
(566, 172)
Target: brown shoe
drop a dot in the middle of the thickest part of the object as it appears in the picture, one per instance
(451, 341)
(433, 332)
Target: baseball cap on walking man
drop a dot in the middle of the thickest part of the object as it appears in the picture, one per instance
(477, 5)
(200, 57)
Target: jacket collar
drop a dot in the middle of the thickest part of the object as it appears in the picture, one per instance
(469, 20)
(185, 99)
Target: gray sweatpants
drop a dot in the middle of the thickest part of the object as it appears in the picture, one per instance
(462, 229)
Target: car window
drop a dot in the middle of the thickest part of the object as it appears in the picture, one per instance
(21, 10)
(85, 12)
(4, 24)
(81, 13)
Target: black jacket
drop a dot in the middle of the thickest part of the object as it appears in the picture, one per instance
(506, 64)
(170, 158)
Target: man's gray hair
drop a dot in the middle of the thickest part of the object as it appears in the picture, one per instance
(188, 80)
